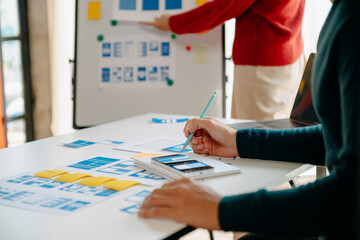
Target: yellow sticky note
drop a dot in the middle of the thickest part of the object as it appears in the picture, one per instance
(71, 177)
(200, 2)
(144, 155)
(94, 10)
(119, 185)
(50, 173)
(95, 181)
(201, 53)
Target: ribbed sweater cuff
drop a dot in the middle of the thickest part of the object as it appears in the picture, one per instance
(243, 142)
(239, 213)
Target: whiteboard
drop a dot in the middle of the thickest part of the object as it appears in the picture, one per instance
(193, 81)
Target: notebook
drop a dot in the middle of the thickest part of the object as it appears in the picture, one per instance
(302, 114)
(191, 165)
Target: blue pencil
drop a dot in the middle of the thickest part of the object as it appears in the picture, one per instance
(202, 116)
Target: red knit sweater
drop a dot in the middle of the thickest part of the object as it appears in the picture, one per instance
(268, 32)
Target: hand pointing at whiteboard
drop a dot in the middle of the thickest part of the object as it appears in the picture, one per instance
(161, 23)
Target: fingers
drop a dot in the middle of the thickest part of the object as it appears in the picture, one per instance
(156, 200)
(160, 202)
(148, 23)
(195, 124)
(159, 212)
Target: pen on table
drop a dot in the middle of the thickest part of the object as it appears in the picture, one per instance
(202, 116)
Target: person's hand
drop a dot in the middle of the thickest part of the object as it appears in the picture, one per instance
(211, 137)
(161, 23)
(185, 202)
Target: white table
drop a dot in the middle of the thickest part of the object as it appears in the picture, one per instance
(104, 220)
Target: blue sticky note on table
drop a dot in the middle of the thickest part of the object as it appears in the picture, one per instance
(79, 144)
(178, 148)
(110, 142)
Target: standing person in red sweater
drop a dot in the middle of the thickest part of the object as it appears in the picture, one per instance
(267, 50)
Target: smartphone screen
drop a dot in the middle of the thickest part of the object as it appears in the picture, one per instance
(172, 158)
(183, 163)
(190, 166)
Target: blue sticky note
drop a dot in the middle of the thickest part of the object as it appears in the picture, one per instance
(106, 50)
(150, 5)
(173, 4)
(105, 75)
(165, 49)
(79, 144)
(127, 5)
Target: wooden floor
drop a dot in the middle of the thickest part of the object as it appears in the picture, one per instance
(202, 234)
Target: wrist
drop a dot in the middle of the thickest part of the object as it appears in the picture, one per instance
(233, 139)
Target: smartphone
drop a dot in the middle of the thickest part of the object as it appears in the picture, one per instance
(184, 164)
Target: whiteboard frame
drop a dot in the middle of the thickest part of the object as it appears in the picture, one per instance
(75, 79)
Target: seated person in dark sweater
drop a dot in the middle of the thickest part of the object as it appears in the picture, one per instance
(325, 207)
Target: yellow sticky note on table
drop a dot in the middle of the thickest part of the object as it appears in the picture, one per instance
(50, 173)
(144, 155)
(94, 10)
(71, 177)
(95, 181)
(200, 2)
(119, 185)
(201, 52)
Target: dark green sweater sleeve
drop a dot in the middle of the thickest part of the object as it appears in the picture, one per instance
(307, 210)
(327, 206)
(303, 145)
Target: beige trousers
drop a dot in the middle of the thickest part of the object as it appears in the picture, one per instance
(262, 93)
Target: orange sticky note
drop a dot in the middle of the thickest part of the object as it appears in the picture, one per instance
(71, 177)
(144, 155)
(95, 181)
(200, 2)
(94, 10)
(119, 185)
(50, 173)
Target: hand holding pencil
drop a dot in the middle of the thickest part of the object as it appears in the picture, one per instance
(202, 116)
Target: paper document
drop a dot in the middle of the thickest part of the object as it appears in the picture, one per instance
(136, 61)
(27, 191)
(162, 144)
(117, 164)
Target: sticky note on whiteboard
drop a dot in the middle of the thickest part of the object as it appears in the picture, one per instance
(201, 53)
(200, 2)
(94, 10)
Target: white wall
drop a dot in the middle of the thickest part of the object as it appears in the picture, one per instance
(62, 37)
